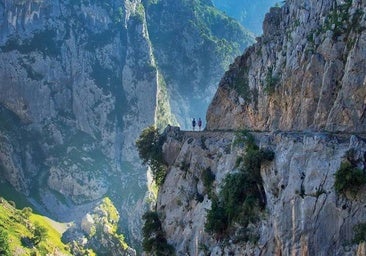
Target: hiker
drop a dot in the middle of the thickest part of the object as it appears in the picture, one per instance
(193, 123)
(199, 123)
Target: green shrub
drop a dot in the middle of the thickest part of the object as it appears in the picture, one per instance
(203, 143)
(154, 241)
(349, 179)
(4, 243)
(12, 203)
(249, 234)
(340, 21)
(242, 195)
(243, 137)
(360, 233)
(26, 212)
(149, 145)
(216, 220)
(184, 166)
(207, 179)
(40, 233)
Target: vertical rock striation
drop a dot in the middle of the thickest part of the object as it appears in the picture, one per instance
(304, 215)
(307, 71)
(78, 84)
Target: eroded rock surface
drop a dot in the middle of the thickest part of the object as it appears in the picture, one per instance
(307, 71)
(304, 215)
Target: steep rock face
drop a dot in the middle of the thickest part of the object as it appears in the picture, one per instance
(78, 84)
(60, 79)
(183, 199)
(304, 215)
(307, 71)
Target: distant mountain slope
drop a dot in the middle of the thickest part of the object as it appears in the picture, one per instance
(193, 44)
(249, 13)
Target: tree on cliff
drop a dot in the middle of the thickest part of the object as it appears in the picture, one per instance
(149, 145)
(154, 241)
(241, 198)
(4, 244)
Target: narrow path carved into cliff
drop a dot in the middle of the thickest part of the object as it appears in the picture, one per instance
(342, 136)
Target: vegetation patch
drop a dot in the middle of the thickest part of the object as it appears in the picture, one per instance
(45, 42)
(359, 233)
(241, 83)
(32, 234)
(164, 115)
(184, 166)
(149, 145)
(242, 196)
(341, 21)
(103, 235)
(337, 19)
(349, 179)
(154, 241)
(4, 242)
(208, 179)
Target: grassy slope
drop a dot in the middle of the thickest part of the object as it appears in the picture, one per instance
(18, 226)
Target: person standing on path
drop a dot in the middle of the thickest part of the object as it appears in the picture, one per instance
(193, 123)
(199, 123)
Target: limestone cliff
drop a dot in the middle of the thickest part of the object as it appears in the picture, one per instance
(301, 91)
(72, 73)
(307, 71)
(304, 215)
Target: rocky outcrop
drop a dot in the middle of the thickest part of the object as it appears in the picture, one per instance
(98, 231)
(307, 71)
(304, 215)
